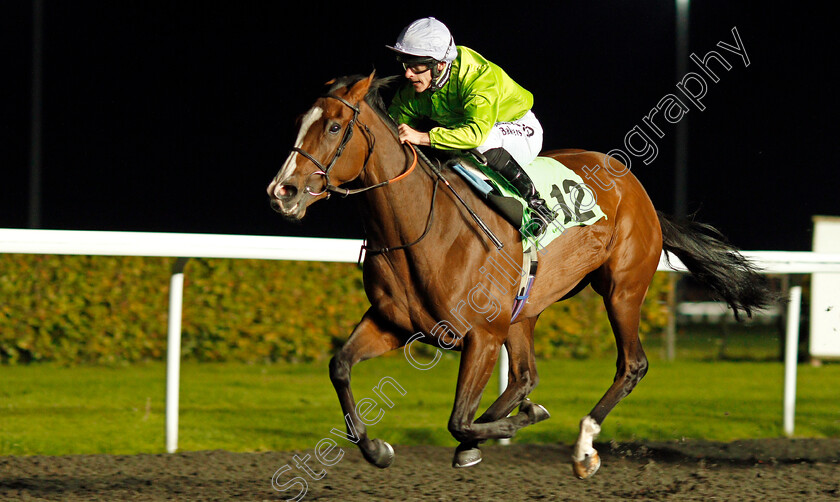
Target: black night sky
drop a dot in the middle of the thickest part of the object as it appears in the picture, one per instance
(173, 116)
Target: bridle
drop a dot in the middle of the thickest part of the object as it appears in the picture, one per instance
(348, 135)
(344, 192)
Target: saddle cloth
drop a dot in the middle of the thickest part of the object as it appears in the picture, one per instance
(563, 190)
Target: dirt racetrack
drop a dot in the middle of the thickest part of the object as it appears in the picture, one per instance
(776, 469)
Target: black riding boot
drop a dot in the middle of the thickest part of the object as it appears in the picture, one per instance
(500, 160)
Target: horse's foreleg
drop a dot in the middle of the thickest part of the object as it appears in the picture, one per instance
(478, 357)
(522, 379)
(369, 339)
(522, 374)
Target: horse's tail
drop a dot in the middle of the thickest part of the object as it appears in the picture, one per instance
(717, 264)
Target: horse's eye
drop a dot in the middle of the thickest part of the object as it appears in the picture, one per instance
(334, 128)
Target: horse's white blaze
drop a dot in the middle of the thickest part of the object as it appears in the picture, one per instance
(589, 430)
(290, 165)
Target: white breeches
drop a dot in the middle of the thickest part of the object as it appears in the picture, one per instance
(521, 138)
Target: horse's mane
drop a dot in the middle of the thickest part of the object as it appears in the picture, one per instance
(373, 98)
(377, 104)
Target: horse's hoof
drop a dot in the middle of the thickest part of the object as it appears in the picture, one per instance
(538, 413)
(383, 455)
(586, 467)
(466, 457)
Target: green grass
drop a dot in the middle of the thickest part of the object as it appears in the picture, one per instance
(54, 410)
(732, 342)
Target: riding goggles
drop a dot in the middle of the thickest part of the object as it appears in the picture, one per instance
(416, 68)
(417, 65)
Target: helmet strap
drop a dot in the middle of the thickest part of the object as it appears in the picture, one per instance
(440, 77)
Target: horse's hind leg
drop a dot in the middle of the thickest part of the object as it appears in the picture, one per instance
(522, 379)
(370, 339)
(623, 296)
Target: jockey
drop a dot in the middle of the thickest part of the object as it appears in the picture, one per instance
(476, 104)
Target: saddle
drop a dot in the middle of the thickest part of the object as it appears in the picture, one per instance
(573, 201)
(564, 191)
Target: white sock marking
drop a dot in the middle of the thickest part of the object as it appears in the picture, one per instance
(589, 430)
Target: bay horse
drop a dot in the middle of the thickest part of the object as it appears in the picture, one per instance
(427, 272)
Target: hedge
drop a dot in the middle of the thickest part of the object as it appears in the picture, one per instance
(113, 310)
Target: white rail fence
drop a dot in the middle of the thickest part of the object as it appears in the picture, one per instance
(185, 246)
(182, 247)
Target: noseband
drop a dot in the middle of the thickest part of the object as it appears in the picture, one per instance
(348, 135)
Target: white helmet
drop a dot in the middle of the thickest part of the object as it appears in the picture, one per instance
(426, 38)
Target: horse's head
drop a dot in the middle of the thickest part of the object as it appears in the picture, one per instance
(326, 152)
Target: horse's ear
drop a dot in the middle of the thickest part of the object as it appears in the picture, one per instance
(360, 88)
(330, 82)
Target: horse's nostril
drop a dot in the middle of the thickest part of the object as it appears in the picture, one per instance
(285, 192)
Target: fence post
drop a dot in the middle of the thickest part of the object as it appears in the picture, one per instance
(173, 354)
(791, 356)
(503, 379)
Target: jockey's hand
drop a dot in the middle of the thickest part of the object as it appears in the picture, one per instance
(413, 136)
